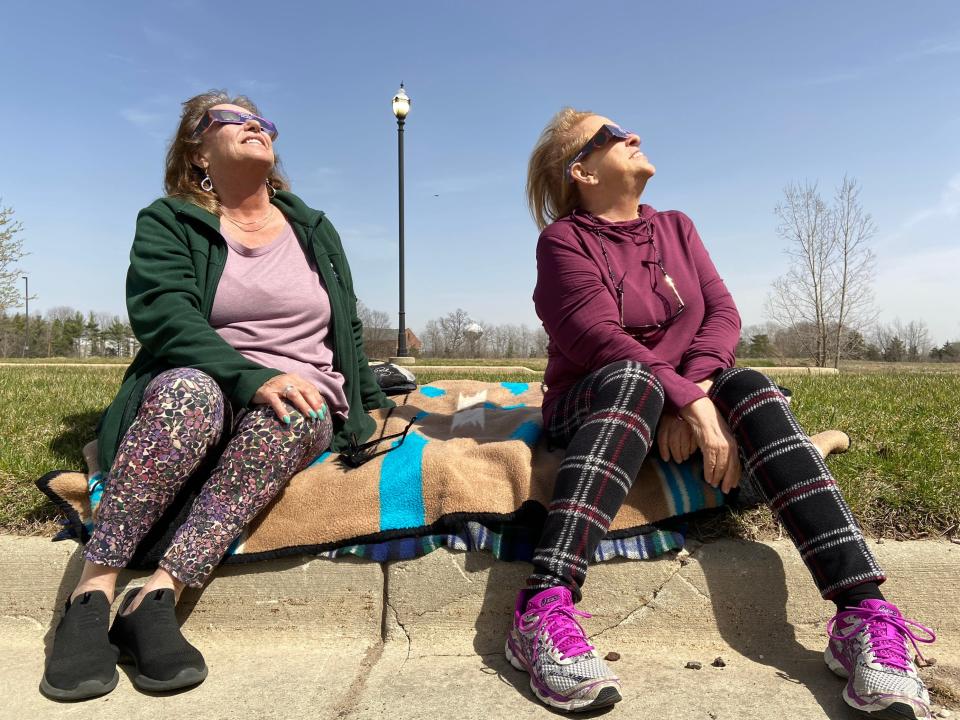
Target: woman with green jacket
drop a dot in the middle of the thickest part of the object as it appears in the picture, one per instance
(242, 300)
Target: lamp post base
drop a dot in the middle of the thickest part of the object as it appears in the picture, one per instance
(404, 360)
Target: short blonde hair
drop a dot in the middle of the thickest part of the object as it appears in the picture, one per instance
(549, 193)
(182, 177)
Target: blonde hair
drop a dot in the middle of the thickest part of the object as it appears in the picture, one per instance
(549, 193)
(182, 177)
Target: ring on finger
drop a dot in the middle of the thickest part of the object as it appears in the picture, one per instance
(287, 389)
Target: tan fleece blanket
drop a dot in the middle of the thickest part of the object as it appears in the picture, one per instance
(471, 451)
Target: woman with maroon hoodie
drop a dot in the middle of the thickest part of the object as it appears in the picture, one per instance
(642, 335)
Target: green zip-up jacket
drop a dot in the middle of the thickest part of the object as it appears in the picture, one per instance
(176, 262)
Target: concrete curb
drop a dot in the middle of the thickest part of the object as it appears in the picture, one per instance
(424, 638)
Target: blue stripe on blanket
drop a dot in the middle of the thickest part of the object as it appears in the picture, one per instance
(693, 485)
(401, 485)
(516, 388)
(673, 494)
(323, 456)
(529, 432)
(493, 406)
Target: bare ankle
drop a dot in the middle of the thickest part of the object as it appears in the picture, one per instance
(93, 586)
(160, 580)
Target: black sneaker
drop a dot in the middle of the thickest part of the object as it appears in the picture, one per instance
(83, 663)
(150, 638)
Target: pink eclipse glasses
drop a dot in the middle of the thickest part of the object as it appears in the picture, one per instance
(603, 137)
(233, 117)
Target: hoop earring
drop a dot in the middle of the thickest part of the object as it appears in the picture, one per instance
(206, 184)
(271, 190)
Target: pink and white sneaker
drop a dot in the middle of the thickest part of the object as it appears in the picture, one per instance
(868, 646)
(547, 642)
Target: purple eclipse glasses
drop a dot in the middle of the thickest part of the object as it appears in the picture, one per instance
(233, 117)
(605, 135)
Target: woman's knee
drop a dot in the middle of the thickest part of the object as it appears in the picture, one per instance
(263, 420)
(740, 382)
(630, 379)
(186, 388)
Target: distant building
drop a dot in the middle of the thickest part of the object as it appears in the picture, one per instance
(381, 343)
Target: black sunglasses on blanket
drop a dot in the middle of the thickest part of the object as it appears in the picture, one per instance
(359, 454)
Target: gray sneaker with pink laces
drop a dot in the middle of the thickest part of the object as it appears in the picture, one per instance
(868, 646)
(547, 642)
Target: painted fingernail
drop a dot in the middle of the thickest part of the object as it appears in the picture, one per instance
(286, 419)
(313, 414)
(323, 412)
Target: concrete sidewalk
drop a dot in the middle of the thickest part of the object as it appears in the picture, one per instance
(424, 639)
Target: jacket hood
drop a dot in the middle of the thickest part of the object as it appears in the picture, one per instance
(636, 230)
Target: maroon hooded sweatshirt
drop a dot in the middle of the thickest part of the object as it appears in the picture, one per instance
(576, 300)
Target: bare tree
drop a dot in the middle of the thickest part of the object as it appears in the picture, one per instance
(11, 251)
(378, 339)
(826, 291)
(916, 337)
(852, 267)
(540, 342)
(432, 343)
(902, 341)
(372, 319)
(452, 336)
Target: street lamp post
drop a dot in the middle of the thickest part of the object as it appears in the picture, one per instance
(26, 320)
(401, 106)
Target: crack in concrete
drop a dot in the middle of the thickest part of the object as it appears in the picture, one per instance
(351, 699)
(396, 619)
(645, 607)
(387, 605)
(459, 655)
(693, 587)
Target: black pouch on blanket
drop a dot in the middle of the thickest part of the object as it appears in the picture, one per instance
(393, 379)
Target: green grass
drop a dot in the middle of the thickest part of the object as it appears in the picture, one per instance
(902, 472)
(47, 415)
(900, 476)
(531, 363)
(120, 362)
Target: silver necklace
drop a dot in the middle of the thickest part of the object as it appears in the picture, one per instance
(260, 224)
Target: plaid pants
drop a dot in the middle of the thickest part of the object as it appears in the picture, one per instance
(607, 422)
(795, 481)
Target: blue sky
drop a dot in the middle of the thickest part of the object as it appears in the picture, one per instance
(733, 101)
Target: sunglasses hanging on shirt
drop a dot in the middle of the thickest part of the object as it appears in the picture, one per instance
(640, 331)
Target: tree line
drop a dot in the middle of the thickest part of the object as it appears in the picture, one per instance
(821, 309)
(457, 335)
(66, 332)
(888, 342)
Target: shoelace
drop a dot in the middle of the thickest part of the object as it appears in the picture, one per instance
(888, 633)
(560, 623)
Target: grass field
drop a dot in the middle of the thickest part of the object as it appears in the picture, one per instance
(120, 362)
(531, 363)
(901, 476)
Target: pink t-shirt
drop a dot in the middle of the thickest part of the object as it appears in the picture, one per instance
(272, 307)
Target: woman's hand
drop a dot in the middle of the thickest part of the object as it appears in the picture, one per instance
(675, 439)
(721, 463)
(293, 389)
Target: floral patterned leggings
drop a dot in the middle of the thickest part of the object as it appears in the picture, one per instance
(180, 421)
